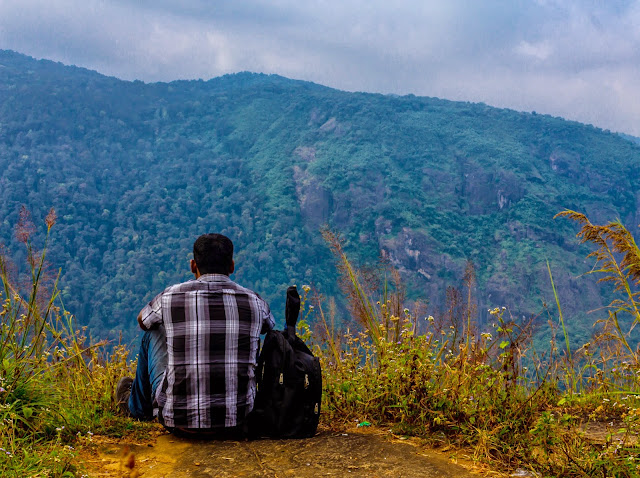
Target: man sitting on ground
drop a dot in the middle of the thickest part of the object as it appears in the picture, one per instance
(199, 348)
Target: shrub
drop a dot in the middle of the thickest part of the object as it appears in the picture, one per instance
(55, 387)
(448, 381)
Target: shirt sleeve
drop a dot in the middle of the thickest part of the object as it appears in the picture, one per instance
(151, 314)
(268, 322)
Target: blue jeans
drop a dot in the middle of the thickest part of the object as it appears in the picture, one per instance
(152, 361)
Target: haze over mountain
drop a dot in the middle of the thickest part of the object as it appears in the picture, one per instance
(136, 171)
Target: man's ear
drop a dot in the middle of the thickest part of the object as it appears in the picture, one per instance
(194, 267)
(232, 267)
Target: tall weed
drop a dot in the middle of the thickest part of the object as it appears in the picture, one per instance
(448, 380)
(55, 386)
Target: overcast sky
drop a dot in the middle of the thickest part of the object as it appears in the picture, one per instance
(579, 59)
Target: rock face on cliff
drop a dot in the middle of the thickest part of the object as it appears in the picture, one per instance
(136, 171)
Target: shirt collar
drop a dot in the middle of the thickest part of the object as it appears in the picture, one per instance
(214, 278)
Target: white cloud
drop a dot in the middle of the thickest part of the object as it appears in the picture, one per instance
(540, 50)
(579, 59)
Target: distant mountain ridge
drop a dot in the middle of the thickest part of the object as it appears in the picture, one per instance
(136, 171)
(633, 139)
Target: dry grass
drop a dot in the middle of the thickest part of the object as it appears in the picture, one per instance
(444, 379)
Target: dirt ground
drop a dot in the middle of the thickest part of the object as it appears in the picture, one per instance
(601, 432)
(361, 452)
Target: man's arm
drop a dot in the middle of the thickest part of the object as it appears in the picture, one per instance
(140, 323)
(151, 314)
(268, 322)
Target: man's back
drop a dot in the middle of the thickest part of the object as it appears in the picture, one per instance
(212, 328)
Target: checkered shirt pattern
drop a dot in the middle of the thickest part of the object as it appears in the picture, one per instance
(213, 328)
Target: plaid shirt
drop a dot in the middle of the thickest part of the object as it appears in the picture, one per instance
(213, 329)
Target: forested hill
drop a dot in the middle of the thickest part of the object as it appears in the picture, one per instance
(137, 171)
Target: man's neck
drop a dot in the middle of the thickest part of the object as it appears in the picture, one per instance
(219, 274)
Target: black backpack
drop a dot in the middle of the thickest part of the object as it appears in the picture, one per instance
(289, 380)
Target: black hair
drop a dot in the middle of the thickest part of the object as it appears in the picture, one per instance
(213, 254)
